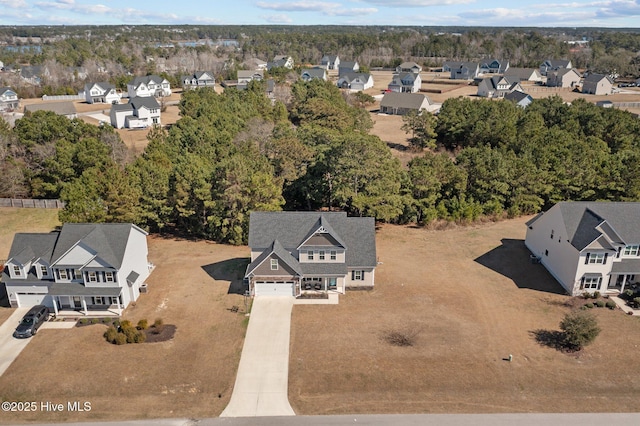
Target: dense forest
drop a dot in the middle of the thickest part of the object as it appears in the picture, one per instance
(235, 152)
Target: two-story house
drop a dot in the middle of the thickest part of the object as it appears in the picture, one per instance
(348, 67)
(563, 77)
(355, 81)
(588, 246)
(330, 62)
(81, 267)
(149, 85)
(551, 65)
(101, 92)
(139, 113)
(8, 99)
(198, 79)
(462, 70)
(405, 82)
(293, 253)
(497, 87)
(597, 84)
(494, 66)
(281, 61)
(246, 76)
(309, 74)
(409, 67)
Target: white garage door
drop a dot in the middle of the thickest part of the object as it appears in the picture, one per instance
(26, 300)
(274, 288)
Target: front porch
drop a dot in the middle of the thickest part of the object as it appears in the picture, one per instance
(620, 281)
(320, 286)
(73, 300)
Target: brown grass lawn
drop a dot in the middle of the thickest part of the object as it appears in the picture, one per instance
(474, 298)
(14, 220)
(190, 376)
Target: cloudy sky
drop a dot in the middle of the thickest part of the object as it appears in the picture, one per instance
(540, 13)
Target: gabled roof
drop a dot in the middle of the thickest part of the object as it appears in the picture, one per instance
(352, 76)
(597, 78)
(348, 64)
(144, 101)
(122, 107)
(30, 246)
(314, 73)
(102, 85)
(404, 100)
(146, 80)
(250, 73)
(329, 58)
(408, 65)
(517, 96)
(60, 108)
(277, 249)
(4, 90)
(521, 73)
(557, 63)
(292, 228)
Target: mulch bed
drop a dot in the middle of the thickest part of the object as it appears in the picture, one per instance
(167, 333)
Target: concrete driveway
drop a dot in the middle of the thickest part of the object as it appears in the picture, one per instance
(263, 374)
(10, 347)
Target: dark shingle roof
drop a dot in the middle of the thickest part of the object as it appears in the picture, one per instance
(281, 252)
(403, 100)
(28, 246)
(144, 101)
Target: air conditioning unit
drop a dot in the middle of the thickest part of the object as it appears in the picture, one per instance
(143, 288)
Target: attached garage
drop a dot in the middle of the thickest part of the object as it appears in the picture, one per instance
(274, 288)
(26, 300)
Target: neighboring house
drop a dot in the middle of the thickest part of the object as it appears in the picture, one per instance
(283, 61)
(245, 77)
(293, 253)
(494, 66)
(68, 109)
(8, 99)
(198, 79)
(409, 67)
(403, 103)
(524, 74)
(256, 64)
(405, 82)
(150, 85)
(101, 93)
(271, 89)
(597, 84)
(348, 67)
(462, 70)
(139, 113)
(309, 74)
(83, 266)
(330, 62)
(32, 74)
(588, 246)
(551, 65)
(355, 81)
(564, 77)
(519, 97)
(497, 87)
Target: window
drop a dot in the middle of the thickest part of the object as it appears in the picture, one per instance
(593, 258)
(333, 255)
(93, 277)
(357, 275)
(98, 300)
(310, 255)
(333, 283)
(43, 270)
(591, 283)
(77, 275)
(108, 277)
(115, 300)
(62, 273)
(274, 264)
(631, 250)
(17, 271)
(552, 234)
(321, 254)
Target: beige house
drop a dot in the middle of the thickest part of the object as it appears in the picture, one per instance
(297, 253)
(597, 84)
(403, 103)
(524, 74)
(564, 77)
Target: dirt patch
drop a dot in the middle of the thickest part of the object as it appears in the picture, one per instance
(473, 298)
(165, 334)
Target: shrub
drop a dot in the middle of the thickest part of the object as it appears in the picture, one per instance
(125, 324)
(589, 305)
(600, 303)
(158, 326)
(110, 334)
(143, 324)
(596, 294)
(586, 295)
(405, 337)
(610, 304)
(120, 339)
(629, 293)
(83, 321)
(140, 337)
(636, 302)
(94, 320)
(580, 329)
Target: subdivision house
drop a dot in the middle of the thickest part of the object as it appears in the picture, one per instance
(82, 267)
(405, 82)
(293, 253)
(101, 92)
(281, 61)
(245, 77)
(588, 246)
(462, 70)
(330, 62)
(524, 74)
(597, 84)
(139, 113)
(564, 77)
(348, 67)
(309, 74)
(198, 79)
(355, 81)
(551, 65)
(255, 64)
(65, 108)
(494, 66)
(497, 87)
(409, 67)
(403, 103)
(520, 98)
(8, 99)
(150, 85)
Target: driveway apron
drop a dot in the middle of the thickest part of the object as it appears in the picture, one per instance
(263, 374)
(10, 347)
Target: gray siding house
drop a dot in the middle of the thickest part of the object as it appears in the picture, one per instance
(403, 103)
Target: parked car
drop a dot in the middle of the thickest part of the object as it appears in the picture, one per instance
(31, 321)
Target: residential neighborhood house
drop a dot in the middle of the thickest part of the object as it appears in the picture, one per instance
(8, 99)
(309, 74)
(403, 103)
(150, 85)
(139, 113)
(348, 67)
(462, 70)
(524, 74)
(588, 246)
(551, 65)
(405, 82)
(293, 253)
(255, 64)
(83, 267)
(283, 61)
(355, 81)
(330, 62)
(497, 86)
(198, 79)
(494, 66)
(520, 98)
(597, 84)
(32, 74)
(409, 67)
(245, 77)
(68, 109)
(564, 77)
(101, 92)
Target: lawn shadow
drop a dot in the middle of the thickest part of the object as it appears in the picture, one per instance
(231, 270)
(512, 260)
(549, 338)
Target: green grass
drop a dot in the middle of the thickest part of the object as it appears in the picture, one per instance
(13, 220)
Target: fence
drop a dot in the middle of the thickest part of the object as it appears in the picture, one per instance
(79, 96)
(31, 203)
(626, 104)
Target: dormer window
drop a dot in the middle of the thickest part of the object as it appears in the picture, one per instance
(631, 250)
(44, 271)
(93, 277)
(274, 264)
(310, 255)
(17, 271)
(321, 254)
(62, 273)
(333, 255)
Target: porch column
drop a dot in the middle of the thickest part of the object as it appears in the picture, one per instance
(624, 281)
(119, 307)
(326, 285)
(55, 305)
(84, 306)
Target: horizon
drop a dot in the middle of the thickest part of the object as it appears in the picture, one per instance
(609, 14)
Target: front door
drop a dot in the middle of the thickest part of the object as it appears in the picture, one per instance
(77, 302)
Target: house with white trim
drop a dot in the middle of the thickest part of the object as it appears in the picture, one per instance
(405, 82)
(330, 62)
(597, 84)
(8, 99)
(139, 113)
(198, 79)
(101, 92)
(149, 85)
(588, 246)
(355, 81)
(81, 267)
(294, 253)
